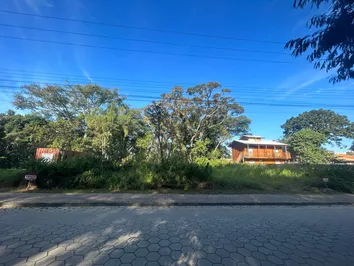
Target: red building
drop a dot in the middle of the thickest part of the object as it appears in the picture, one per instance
(255, 150)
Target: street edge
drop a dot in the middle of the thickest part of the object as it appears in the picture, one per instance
(8, 205)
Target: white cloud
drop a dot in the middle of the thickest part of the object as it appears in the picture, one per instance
(34, 5)
(300, 81)
(87, 75)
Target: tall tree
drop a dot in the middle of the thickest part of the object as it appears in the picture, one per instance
(306, 146)
(205, 112)
(113, 133)
(331, 46)
(20, 136)
(67, 107)
(333, 126)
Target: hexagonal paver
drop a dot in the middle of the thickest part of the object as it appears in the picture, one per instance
(116, 254)
(141, 252)
(237, 257)
(177, 236)
(244, 252)
(153, 247)
(275, 260)
(204, 262)
(38, 256)
(152, 256)
(164, 243)
(165, 251)
(259, 256)
(139, 261)
(74, 260)
(253, 261)
(22, 248)
(8, 258)
(187, 250)
(130, 248)
(143, 244)
(213, 258)
(29, 252)
(101, 259)
(176, 255)
(154, 240)
(165, 260)
(174, 239)
(127, 258)
(112, 262)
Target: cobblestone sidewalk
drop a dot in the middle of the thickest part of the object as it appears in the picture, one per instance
(153, 236)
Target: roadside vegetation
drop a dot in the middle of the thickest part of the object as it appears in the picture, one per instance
(176, 142)
(215, 177)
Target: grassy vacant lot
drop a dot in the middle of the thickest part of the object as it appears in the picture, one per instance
(220, 177)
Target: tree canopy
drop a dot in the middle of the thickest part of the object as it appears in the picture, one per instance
(306, 144)
(331, 46)
(332, 125)
(187, 124)
(182, 120)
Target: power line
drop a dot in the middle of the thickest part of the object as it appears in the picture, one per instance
(64, 76)
(145, 51)
(139, 28)
(141, 84)
(145, 41)
(145, 98)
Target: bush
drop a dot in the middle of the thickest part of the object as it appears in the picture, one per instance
(176, 173)
(73, 173)
(11, 177)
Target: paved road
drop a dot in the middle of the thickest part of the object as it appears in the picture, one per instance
(177, 236)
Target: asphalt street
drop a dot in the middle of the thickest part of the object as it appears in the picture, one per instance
(177, 236)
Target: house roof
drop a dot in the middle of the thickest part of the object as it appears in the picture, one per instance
(251, 136)
(263, 142)
(345, 157)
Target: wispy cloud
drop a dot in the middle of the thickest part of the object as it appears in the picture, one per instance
(34, 5)
(300, 81)
(87, 75)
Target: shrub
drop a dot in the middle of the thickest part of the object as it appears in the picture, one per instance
(11, 177)
(68, 173)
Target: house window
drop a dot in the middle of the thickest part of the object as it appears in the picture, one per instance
(49, 157)
(283, 148)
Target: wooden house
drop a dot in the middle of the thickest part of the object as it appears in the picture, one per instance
(255, 150)
(55, 154)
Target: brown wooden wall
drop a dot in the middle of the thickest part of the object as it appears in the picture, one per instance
(54, 151)
(59, 154)
(262, 155)
(237, 149)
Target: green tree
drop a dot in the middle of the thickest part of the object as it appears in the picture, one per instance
(306, 144)
(333, 126)
(66, 102)
(331, 46)
(113, 133)
(67, 107)
(20, 136)
(352, 147)
(201, 114)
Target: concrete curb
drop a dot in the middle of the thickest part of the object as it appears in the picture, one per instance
(8, 205)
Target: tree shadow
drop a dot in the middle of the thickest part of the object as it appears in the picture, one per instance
(111, 236)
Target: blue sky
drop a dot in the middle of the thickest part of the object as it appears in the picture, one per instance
(148, 74)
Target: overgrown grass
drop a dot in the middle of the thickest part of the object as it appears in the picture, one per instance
(261, 178)
(214, 176)
(11, 177)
